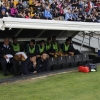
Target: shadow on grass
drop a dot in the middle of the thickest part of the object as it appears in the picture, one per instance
(4, 77)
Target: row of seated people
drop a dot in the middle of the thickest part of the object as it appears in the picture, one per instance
(51, 47)
(33, 65)
(48, 49)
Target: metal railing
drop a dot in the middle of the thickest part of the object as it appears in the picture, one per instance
(82, 42)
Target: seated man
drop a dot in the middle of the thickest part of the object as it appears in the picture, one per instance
(16, 46)
(55, 49)
(49, 50)
(29, 66)
(54, 45)
(67, 48)
(48, 44)
(6, 49)
(41, 48)
(18, 50)
(31, 48)
(42, 63)
(76, 51)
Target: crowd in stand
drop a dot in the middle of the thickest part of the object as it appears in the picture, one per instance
(68, 10)
(37, 54)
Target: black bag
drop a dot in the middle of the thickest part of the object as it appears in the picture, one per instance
(93, 67)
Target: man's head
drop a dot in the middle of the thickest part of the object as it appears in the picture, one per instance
(49, 40)
(70, 38)
(53, 38)
(3, 12)
(68, 41)
(42, 42)
(43, 56)
(32, 57)
(32, 43)
(6, 41)
(14, 40)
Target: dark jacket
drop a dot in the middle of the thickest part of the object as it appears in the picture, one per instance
(42, 65)
(5, 51)
(28, 67)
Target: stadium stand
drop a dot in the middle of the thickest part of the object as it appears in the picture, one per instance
(68, 10)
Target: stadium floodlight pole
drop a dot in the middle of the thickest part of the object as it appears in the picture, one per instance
(83, 40)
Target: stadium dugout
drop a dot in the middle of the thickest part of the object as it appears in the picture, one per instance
(27, 29)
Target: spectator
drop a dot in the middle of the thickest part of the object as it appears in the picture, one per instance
(20, 15)
(56, 15)
(38, 10)
(68, 16)
(70, 10)
(19, 6)
(61, 13)
(14, 11)
(28, 15)
(97, 17)
(8, 8)
(47, 14)
(74, 16)
(53, 5)
(25, 3)
(88, 19)
(81, 17)
(3, 14)
(15, 2)
(11, 4)
(3, 7)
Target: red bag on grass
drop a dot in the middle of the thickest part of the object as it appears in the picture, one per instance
(84, 69)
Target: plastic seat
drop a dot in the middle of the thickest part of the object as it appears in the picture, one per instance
(52, 63)
(86, 59)
(63, 62)
(78, 59)
(71, 61)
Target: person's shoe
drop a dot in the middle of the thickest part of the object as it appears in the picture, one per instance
(5, 74)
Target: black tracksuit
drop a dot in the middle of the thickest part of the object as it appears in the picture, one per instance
(42, 65)
(28, 67)
(5, 51)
